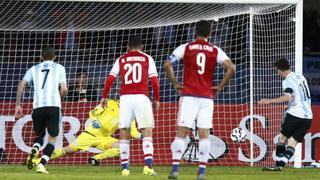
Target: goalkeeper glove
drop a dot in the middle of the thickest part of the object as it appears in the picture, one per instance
(96, 124)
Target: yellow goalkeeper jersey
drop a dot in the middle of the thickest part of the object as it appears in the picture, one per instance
(109, 120)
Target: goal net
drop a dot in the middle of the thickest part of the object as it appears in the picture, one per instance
(88, 36)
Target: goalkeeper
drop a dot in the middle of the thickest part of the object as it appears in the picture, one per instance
(104, 122)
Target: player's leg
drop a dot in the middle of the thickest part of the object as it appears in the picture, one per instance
(286, 131)
(301, 127)
(280, 149)
(145, 121)
(53, 123)
(125, 118)
(110, 148)
(40, 131)
(188, 110)
(204, 123)
(61, 152)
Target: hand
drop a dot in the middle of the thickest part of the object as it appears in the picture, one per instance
(18, 112)
(156, 105)
(217, 88)
(96, 124)
(264, 101)
(103, 103)
(178, 86)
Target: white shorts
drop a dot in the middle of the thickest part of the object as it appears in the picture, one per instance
(195, 108)
(136, 106)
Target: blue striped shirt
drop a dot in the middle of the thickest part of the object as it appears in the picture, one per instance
(46, 78)
(300, 104)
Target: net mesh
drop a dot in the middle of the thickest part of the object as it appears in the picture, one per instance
(89, 36)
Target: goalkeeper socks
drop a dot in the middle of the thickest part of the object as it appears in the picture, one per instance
(147, 147)
(38, 142)
(58, 153)
(177, 149)
(47, 152)
(204, 149)
(109, 153)
(280, 149)
(124, 153)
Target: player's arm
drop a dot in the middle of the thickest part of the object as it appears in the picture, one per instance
(18, 110)
(230, 71)
(109, 81)
(153, 75)
(176, 56)
(63, 83)
(168, 67)
(21, 86)
(282, 99)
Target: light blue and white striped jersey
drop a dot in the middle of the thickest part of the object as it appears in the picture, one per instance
(46, 78)
(300, 104)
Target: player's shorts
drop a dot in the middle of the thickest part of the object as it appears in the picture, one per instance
(195, 108)
(46, 117)
(86, 140)
(295, 127)
(136, 106)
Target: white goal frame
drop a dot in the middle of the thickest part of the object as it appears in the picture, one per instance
(298, 45)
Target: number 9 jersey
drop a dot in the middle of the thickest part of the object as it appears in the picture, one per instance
(135, 67)
(199, 58)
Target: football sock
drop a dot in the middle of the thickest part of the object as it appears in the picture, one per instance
(147, 147)
(58, 153)
(177, 149)
(38, 142)
(280, 149)
(124, 153)
(109, 153)
(204, 149)
(47, 152)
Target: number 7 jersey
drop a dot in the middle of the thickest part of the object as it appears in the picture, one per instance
(46, 78)
(199, 61)
(135, 67)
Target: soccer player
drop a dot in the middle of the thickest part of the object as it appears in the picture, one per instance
(104, 122)
(298, 116)
(135, 67)
(199, 59)
(47, 77)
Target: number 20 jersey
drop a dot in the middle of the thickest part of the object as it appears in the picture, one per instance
(134, 67)
(199, 61)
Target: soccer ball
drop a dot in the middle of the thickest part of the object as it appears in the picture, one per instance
(238, 135)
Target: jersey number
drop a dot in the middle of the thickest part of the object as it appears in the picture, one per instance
(305, 90)
(136, 71)
(46, 71)
(201, 62)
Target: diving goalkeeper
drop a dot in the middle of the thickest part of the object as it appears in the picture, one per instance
(104, 122)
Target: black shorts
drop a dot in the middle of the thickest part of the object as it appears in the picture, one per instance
(46, 117)
(295, 127)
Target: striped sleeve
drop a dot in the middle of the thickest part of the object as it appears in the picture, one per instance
(28, 76)
(63, 78)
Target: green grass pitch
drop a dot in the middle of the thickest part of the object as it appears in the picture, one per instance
(70, 172)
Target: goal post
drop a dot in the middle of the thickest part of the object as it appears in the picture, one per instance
(89, 35)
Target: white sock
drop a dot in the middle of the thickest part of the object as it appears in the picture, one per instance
(204, 149)
(124, 153)
(177, 149)
(147, 146)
